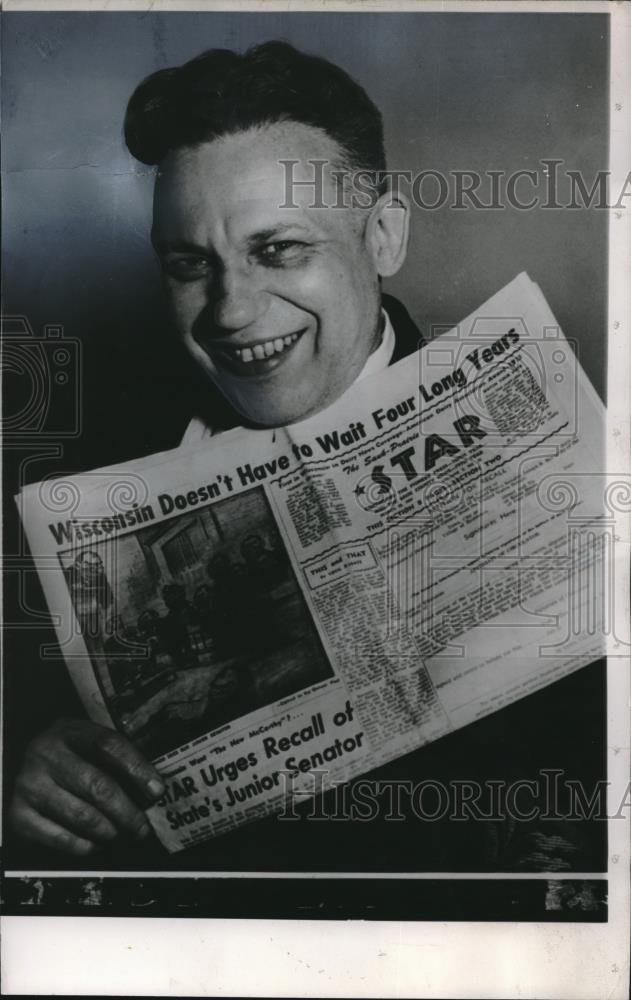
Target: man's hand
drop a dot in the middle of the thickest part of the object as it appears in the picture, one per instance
(80, 786)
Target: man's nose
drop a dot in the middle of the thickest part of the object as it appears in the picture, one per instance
(238, 300)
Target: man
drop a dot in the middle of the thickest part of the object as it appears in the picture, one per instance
(276, 299)
(274, 285)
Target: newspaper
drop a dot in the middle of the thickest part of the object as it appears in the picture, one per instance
(266, 615)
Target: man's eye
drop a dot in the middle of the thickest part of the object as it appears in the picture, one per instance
(185, 268)
(282, 250)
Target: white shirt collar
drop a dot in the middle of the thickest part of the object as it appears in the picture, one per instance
(198, 430)
(379, 360)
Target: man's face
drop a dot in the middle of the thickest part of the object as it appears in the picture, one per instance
(279, 306)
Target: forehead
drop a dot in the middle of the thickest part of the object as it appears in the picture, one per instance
(259, 176)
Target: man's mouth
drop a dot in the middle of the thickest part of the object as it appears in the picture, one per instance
(257, 358)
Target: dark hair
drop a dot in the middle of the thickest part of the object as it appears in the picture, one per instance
(222, 92)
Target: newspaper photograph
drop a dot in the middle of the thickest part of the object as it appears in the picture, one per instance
(207, 649)
(262, 641)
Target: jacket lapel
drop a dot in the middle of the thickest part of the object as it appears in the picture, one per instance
(407, 336)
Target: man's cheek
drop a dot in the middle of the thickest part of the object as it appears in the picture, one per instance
(311, 286)
(186, 306)
(201, 360)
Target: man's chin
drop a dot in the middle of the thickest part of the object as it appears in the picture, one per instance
(267, 410)
(282, 400)
(271, 417)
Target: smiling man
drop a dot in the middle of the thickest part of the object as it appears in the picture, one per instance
(277, 302)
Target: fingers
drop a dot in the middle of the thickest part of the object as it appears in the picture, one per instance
(73, 814)
(75, 793)
(37, 828)
(101, 792)
(119, 757)
(80, 786)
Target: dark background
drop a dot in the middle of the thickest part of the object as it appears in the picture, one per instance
(457, 91)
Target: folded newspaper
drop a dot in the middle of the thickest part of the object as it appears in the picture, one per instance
(268, 614)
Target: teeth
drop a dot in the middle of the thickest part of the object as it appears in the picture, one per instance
(265, 350)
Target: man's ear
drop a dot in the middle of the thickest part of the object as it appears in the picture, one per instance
(388, 233)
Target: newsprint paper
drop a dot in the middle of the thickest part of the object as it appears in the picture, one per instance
(267, 617)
